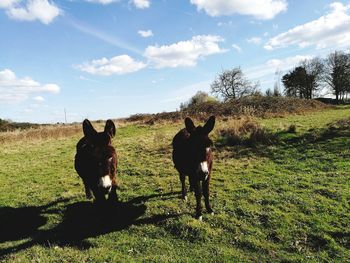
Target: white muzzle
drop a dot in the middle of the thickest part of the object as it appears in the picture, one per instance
(105, 182)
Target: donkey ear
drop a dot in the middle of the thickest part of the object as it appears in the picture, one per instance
(189, 125)
(110, 128)
(88, 130)
(209, 126)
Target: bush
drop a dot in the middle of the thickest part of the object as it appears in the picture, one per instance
(244, 131)
(6, 125)
(200, 98)
(253, 106)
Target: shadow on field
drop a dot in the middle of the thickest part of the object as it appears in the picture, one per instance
(80, 221)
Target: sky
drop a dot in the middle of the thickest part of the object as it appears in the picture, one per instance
(101, 59)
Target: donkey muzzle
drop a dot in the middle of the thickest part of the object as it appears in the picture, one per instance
(105, 184)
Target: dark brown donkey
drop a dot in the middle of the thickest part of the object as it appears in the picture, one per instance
(192, 156)
(96, 161)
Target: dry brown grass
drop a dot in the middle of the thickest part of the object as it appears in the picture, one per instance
(243, 131)
(40, 133)
(55, 131)
(258, 106)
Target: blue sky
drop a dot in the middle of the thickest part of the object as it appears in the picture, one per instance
(102, 59)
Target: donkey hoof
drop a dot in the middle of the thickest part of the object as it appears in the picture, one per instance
(199, 217)
(210, 211)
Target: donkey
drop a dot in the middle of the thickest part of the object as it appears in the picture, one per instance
(96, 162)
(192, 156)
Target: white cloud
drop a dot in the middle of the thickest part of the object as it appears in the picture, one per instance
(287, 63)
(184, 53)
(99, 34)
(228, 24)
(237, 48)
(145, 33)
(273, 65)
(260, 9)
(332, 29)
(13, 89)
(7, 3)
(142, 4)
(39, 98)
(185, 93)
(41, 10)
(103, 2)
(254, 40)
(116, 65)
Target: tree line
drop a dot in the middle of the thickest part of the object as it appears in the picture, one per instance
(304, 81)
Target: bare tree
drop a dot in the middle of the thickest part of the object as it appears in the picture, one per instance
(268, 93)
(232, 84)
(337, 73)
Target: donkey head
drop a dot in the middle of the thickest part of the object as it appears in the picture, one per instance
(99, 139)
(199, 147)
(101, 150)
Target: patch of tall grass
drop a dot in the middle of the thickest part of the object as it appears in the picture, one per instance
(245, 131)
(40, 133)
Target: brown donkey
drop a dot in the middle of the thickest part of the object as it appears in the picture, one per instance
(192, 156)
(96, 161)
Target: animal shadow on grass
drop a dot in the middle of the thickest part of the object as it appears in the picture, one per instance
(80, 221)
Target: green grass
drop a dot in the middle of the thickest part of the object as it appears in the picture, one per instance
(287, 202)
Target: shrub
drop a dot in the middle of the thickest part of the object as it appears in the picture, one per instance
(253, 106)
(244, 131)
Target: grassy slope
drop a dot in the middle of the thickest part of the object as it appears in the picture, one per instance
(287, 202)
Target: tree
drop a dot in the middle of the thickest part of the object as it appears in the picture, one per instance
(232, 84)
(276, 91)
(313, 76)
(294, 83)
(304, 80)
(337, 74)
(268, 93)
(199, 98)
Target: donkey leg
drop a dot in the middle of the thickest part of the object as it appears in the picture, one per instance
(99, 197)
(183, 187)
(88, 193)
(198, 194)
(112, 196)
(192, 183)
(206, 197)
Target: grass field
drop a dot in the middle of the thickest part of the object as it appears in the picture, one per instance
(285, 202)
